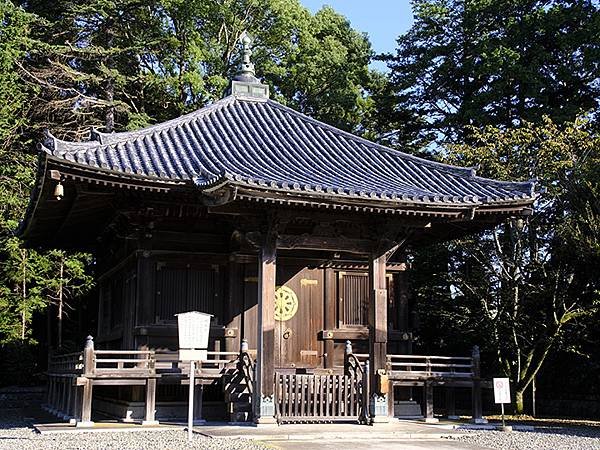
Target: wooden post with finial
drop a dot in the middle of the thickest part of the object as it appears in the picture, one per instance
(89, 370)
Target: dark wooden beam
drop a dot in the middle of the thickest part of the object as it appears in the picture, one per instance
(324, 243)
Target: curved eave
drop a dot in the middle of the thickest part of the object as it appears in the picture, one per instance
(84, 172)
(54, 169)
(340, 199)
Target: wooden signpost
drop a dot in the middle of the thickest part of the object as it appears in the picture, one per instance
(193, 329)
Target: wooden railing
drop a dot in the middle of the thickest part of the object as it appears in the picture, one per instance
(247, 367)
(72, 376)
(67, 364)
(122, 363)
(168, 363)
(311, 398)
(411, 366)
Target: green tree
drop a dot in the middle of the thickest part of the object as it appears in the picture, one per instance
(482, 62)
(524, 285)
(27, 277)
(64, 278)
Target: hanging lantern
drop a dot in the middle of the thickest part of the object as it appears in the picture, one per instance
(59, 191)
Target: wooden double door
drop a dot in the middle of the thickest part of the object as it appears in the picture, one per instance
(299, 308)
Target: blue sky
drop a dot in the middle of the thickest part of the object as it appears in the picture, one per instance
(382, 20)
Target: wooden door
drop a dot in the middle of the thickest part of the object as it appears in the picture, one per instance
(298, 317)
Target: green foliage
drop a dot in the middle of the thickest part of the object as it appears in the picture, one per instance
(522, 290)
(14, 26)
(123, 63)
(501, 62)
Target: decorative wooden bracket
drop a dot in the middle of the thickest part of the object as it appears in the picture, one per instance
(220, 197)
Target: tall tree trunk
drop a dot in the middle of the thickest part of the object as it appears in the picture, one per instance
(519, 401)
(110, 88)
(110, 112)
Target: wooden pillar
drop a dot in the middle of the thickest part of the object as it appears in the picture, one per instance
(265, 361)
(329, 319)
(77, 396)
(476, 391)
(378, 337)
(428, 402)
(149, 418)
(61, 397)
(68, 414)
(53, 395)
(451, 403)
(88, 372)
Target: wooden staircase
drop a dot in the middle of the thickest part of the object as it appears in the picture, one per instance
(238, 388)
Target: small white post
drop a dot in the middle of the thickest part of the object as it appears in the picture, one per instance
(191, 400)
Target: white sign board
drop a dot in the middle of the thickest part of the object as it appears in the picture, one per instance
(193, 329)
(192, 355)
(501, 390)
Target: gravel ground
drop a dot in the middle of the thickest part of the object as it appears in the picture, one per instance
(563, 438)
(17, 433)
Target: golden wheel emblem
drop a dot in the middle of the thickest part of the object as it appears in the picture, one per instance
(286, 303)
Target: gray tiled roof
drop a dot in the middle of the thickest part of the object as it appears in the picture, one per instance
(262, 144)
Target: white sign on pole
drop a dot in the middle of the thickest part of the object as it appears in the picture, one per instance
(193, 329)
(501, 390)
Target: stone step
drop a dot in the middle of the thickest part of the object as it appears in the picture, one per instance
(407, 409)
(240, 417)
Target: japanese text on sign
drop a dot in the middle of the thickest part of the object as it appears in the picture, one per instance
(193, 329)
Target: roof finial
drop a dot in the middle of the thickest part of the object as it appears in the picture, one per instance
(246, 72)
(245, 82)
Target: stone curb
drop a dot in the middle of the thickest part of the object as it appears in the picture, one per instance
(334, 436)
(486, 427)
(42, 429)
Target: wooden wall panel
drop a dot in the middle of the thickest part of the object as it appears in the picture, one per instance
(353, 299)
(189, 287)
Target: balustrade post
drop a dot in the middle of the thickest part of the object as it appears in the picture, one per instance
(347, 353)
(366, 391)
(88, 372)
(150, 406)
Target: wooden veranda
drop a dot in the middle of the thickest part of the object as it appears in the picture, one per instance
(319, 395)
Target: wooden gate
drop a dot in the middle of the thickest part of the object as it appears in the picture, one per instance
(318, 398)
